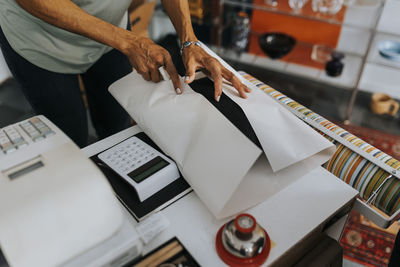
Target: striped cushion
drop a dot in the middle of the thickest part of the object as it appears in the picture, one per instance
(365, 172)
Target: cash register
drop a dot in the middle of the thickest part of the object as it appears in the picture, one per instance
(56, 207)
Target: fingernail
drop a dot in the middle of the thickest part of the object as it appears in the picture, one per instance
(218, 98)
(178, 91)
(186, 78)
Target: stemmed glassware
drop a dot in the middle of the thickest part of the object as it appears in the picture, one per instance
(272, 3)
(297, 5)
(330, 7)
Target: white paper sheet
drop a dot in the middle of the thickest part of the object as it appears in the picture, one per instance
(284, 138)
(204, 144)
(227, 171)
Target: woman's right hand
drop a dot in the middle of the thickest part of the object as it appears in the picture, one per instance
(147, 57)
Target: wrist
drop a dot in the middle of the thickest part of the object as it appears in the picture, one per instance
(187, 44)
(126, 42)
(188, 37)
(189, 40)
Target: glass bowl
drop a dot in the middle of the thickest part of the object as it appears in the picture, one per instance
(389, 49)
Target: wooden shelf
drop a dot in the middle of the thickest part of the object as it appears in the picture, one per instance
(284, 9)
(307, 13)
(348, 78)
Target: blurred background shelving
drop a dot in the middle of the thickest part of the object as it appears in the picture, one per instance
(306, 12)
(380, 73)
(359, 25)
(347, 79)
(359, 28)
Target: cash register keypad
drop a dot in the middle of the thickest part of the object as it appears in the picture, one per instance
(128, 155)
(11, 138)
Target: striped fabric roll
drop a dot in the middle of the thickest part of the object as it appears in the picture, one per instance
(358, 171)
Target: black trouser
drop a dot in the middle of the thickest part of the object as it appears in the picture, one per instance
(58, 97)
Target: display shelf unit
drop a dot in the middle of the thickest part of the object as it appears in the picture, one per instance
(375, 58)
(385, 78)
(358, 38)
(379, 68)
(346, 80)
(368, 11)
(380, 72)
(285, 11)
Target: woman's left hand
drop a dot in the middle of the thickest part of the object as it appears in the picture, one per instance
(195, 58)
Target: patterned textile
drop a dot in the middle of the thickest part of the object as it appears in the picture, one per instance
(365, 244)
(356, 162)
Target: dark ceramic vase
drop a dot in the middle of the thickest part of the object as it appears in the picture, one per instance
(334, 67)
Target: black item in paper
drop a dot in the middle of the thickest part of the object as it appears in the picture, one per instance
(3, 261)
(232, 111)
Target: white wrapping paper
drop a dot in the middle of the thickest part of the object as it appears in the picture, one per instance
(227, 171)
(284, 139)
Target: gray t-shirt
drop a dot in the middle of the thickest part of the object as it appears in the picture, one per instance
(55, 49)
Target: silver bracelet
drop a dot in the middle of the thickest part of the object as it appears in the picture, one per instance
(188, 43)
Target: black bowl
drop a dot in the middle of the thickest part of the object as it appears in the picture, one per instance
(275, 44)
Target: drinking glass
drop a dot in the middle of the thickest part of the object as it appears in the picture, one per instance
(272, 3)
(297, 5)
(321, 53)
(327, 6)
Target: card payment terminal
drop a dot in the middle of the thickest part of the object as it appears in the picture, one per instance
(142, 166)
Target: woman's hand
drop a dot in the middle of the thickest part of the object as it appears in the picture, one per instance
(146, 57)
(195, 58)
